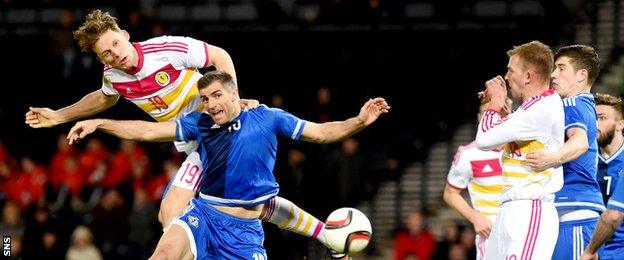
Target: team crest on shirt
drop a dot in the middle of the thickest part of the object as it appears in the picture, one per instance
(193, 221)
(162, 78)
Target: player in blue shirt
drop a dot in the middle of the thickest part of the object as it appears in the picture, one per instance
(579, 203)
(237, 148)
(610, 166)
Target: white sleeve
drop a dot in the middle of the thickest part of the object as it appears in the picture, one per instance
(107, 86)
(460, 173)
(494, 131)
(196, 55)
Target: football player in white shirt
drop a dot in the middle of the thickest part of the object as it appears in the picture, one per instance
(480, 172)
(527, 213)
(159, 76)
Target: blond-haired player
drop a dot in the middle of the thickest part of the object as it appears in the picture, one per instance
(527, 222)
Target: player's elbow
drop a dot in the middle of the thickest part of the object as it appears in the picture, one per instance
(583, 146)
(447, 196)
(612, 218)
(219, 55)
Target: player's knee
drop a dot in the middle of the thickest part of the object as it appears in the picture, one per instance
(161, 218)
(167, 213)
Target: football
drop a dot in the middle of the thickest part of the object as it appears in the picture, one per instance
(348, 230)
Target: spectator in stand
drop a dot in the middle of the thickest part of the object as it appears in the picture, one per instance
(82, 245)
(157, 184)
(467, 241)
(12, 223)
(90, 159)
(416, 240)
(325, 108)
(121, 165)
(51, 246)
(347, 166)
(142, 224)
(458, 252)
(450, 237)
(72, 177)
(110, 223)
(58, 161)
(34, 179)
(37, 224)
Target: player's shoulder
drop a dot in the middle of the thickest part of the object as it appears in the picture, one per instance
(580, 100)
(544, 100)
(463, 150)
(193, 115)
(264, 109)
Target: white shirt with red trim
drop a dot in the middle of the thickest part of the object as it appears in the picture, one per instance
(537, 124)
(164, 81)
(480, 172)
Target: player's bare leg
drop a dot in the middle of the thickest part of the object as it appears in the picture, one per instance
(174, 244)
(174, 202)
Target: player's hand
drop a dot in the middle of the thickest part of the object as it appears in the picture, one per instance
(38, 117)
(589, 256)
(372, 109)
(249, 103)
(541, 160)
(482, 225)
(82, 129)
(496, 92)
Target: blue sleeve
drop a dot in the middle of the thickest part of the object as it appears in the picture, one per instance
(186, 127)
(616, 201)
(574, 117)
(285, 124)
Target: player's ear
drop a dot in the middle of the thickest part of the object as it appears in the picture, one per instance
(581, 75)
(125, 34)
(527, 76)
(619, 125)
(234, 96)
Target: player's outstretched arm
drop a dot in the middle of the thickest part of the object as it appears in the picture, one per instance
(574, 147)
(94, 102)
(132, 130)
(337, 130)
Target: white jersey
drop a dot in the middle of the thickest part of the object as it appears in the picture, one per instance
(537, 124)
(164, 81)
(480, 172)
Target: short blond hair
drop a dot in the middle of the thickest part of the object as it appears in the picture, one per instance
(93, 27)
(537, 55)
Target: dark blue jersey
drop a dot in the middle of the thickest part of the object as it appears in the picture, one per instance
(580, 189)
(608, 172)
(616, 202)
(238, 157)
